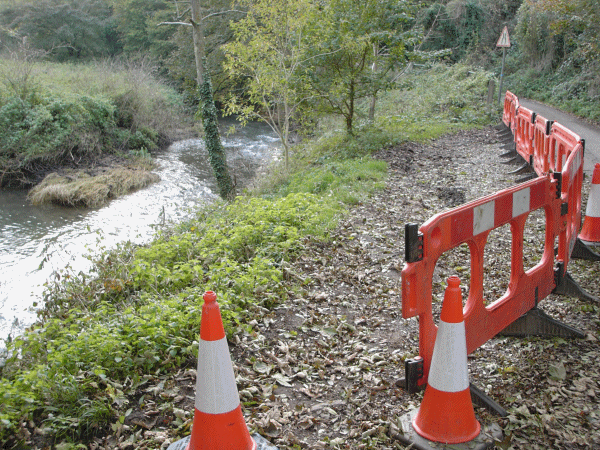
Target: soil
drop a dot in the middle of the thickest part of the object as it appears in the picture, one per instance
(322, 369)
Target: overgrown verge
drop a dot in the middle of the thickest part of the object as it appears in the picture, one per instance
(113, 341)
(55, 116)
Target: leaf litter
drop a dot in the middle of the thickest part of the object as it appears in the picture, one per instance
(320, 370)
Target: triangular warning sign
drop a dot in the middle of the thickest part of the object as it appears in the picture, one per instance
(504, 40)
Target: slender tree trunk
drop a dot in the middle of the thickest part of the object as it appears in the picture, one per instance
(214, 146)
(212, 137)
(198, 37)
(374, 98)
(350, 115)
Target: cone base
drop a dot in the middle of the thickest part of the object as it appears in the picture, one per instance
(261, 443)
(220, 431)
(447, 417)
(592, 244)
(590, 232)
(407, 436)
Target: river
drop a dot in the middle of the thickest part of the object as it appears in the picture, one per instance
(36, 241)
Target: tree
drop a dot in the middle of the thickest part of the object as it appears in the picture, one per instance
(64, 29)
(361, 44)
(207, 36)
(208, 109)
(271, 56)
(213, 141)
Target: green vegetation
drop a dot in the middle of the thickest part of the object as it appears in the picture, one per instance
(54, 115)
(136, 316)
(102, 335)
(556, 59)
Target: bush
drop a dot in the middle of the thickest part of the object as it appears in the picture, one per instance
(52, 115)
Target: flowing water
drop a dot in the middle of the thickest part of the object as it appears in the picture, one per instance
(36, 241)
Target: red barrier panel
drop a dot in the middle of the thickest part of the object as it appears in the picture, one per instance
(571, 184)
(523, 133)
(562, 143)
(511, 104)
(471, 224)
(541, 147)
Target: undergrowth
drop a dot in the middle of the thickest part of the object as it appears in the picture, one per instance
(136, 315)
(59, 114)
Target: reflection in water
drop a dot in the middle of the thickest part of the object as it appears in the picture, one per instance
(35, 241)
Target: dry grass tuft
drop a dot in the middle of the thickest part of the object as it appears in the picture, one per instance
(83, 190)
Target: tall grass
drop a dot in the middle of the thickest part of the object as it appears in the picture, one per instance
(55, 114)
(141, 99)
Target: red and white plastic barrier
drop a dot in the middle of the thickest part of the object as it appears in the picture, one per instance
(471, 224)
(511, 104)
(556, 154)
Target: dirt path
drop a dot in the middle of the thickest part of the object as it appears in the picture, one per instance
(321, 370)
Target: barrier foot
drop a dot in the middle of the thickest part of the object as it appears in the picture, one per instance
(582, 251)
(514, 160)
(536, 322)
(481, 399)
(566, 285)
(509, 146)
(413, 372)
(523, 169)
(505, 132)
(261, 443)
(404, 432)
(509, 154)
(527, 177)
(501, 126)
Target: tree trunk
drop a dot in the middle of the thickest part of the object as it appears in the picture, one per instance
(350, 114)
(212, 137)
(214, 146)
(198, 37)
(374, 98)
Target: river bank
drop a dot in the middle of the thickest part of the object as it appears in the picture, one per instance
(37, 242)
(317, 366)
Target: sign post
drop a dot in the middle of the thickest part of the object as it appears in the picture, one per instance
(504, 42)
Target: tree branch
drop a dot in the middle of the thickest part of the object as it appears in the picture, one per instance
(223, 12)
(185, 24)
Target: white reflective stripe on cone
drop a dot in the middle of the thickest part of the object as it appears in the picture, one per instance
(216, 391)
(593, 205)
(449, 371)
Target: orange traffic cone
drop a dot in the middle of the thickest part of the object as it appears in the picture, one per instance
(590, 232)
(446, 413)
(218, 420)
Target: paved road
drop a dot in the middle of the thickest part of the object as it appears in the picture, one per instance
(590, 133)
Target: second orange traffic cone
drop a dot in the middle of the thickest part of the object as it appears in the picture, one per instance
(590, 232)
(446, 413)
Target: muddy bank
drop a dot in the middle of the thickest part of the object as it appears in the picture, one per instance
(93, 180)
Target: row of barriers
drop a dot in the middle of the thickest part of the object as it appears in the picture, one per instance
(556, 154)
